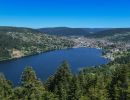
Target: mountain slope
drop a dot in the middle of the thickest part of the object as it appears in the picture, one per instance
(111, 32)
(17, 42)
(117, 34)
(65, 31)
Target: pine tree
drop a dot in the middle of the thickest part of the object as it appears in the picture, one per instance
(6, 90)
(59, 83)
(63, 74)
(118, 89)
(50, 96)
(74, 90)
(32, 87)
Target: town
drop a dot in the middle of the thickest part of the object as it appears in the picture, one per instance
(111, 49)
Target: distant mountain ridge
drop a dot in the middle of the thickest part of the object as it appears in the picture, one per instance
(17, 29)
(110, 32)
(66, 31)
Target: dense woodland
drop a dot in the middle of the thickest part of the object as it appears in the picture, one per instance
(106, 82)
(28, 41)
(110, 32)
(66, 31)
(87, 32)
(115, 34)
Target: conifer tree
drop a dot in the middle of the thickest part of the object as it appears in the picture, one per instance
(32, 86)
(59, 83)
(74, 90)
(6, 90)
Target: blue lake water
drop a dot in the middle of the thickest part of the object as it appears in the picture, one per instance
(45, 64)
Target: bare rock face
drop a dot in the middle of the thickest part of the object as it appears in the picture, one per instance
(16, 53)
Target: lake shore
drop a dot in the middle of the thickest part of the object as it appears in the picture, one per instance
(9, 59)
(74, 47)
(45, 64)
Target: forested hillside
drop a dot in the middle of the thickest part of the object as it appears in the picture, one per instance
(17, 42)
(106, 82)
(66, 31)
(118, 34)
(111, 32)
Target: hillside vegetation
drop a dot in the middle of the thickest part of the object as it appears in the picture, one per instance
(119, 34)
(104, 82)
(17, 42)
(112, 34)
(107, 82)
(66, 31)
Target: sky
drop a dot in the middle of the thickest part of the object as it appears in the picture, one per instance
(65, 13)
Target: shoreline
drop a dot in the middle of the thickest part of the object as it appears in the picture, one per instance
(74, 47)
(99, 48)
(10, 59)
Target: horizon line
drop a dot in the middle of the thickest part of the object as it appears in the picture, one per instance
(59, 27)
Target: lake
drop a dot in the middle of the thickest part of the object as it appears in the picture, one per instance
(45, 64)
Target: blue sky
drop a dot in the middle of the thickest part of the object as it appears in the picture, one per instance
(70, 13)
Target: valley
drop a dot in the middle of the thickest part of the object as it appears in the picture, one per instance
(114, 42)
(65, 50)
(17, 42)
(98, 65)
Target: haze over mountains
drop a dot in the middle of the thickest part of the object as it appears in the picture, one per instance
(66, 31)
